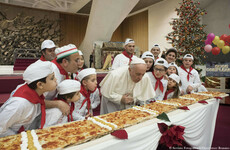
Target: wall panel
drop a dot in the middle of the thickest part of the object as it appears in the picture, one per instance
(73, 28)
(135, 27)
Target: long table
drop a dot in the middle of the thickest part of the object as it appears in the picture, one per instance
(199, 123)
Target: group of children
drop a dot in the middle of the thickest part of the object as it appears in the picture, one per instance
(26, 107)
(169, 80)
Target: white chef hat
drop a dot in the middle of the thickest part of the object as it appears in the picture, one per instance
(80, 52)
(188, 56)
(86, 72)
(137, 61)
(47, 44)
(128, 41)
(175, 78)
(156, 45)
(66, 51)
(68, 86)
(147, 54)
(173, 64)
(37, 70)
(161, 62)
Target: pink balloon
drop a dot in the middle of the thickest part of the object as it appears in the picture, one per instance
(211, 36)
(208, 42)
(208, 48)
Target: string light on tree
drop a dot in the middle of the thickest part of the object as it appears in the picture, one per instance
(188, 33)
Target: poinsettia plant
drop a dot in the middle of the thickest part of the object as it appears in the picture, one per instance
(171, 135)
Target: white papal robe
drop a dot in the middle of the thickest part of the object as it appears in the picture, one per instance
(117, 83)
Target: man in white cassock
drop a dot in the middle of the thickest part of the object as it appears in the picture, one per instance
(124, 87)
(126, 56)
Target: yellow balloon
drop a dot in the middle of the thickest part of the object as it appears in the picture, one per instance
(220, 44)
(216, 39)
(225, 49)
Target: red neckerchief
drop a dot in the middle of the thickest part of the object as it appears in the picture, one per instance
(189, 72)
(158, 83)
(167, 93)
(43, 58)
(127, 55)
(86, 94)
(62, 71)
(32, 96)
(70, 116)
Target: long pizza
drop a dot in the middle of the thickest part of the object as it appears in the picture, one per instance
(73, 133)
(195, 97)
(212, 93)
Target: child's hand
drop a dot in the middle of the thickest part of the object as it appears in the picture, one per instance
(64, 107)
(166, 77)
(182, 92)
(189, 89)
(88, 115)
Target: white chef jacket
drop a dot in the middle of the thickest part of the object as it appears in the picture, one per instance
(17, 112)
(194, 80)
(79, 114)
(121, 60)
(159, 94)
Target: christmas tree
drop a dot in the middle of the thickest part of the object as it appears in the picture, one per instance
(188, 33)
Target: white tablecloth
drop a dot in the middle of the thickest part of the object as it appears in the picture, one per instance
(199, 123)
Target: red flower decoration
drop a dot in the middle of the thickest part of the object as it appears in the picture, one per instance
(121, 134)
(171, 135)
(219, 98)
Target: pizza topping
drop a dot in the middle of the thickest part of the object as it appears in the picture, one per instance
(24, 140)
(30, 141)
(101, 123)
(152, 112)
(168, 103)
(35, 140)
(183, 97)
(203, 94)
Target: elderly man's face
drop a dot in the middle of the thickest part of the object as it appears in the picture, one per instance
(137, 71)
(130, 48)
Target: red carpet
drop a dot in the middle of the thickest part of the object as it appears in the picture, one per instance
(221, 137)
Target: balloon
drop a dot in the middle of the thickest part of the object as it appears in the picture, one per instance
(208, 48)
(220, 44)
(225, 49)
(227, 44)
(215, 50)
(224, 37)
(208, 42)
(211, 36)
(216, 39)
(228, 39)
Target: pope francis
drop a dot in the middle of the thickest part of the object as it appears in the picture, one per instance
(126, 86)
